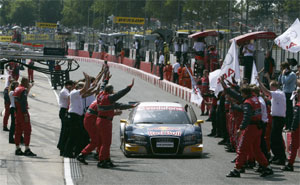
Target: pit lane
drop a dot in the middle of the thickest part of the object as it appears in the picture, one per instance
(210, 169)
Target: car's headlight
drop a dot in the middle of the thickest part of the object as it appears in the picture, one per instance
(191, 137)
(137, 138)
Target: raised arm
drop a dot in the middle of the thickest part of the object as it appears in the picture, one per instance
(99, 76)
(263, 88)
(115, 97)
(86, 84)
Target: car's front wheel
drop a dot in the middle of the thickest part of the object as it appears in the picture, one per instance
(123, 148)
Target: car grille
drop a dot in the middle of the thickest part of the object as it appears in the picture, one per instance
(167, 148)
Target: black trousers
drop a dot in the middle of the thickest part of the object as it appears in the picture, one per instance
(221, 124)
(213, 117)
(289, 111)
(248, 63)
(161, 71)
(175, 78)
(77, 136)
(178, 55)
(12, 124)
(277, 145)
(185, 57)
(137, 63)
(263, 144)
(63, 136)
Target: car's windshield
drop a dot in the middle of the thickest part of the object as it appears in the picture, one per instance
(161, 115)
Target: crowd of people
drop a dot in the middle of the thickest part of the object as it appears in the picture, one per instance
(250, 119)
(206, 59)
(16, 106)
(87, 109)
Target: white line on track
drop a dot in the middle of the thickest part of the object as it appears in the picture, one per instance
(67, 164)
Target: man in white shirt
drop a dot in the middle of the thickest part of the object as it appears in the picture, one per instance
(175, 71)
(278, 109)
(76, 138)
(248, 51)
(64, 104)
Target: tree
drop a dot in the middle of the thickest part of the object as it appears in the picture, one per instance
(262, 10)
(164, 10)
(4, 11)
(22, 12)
(210, 11)
(292, 9)
(50, 10)
(77, 13)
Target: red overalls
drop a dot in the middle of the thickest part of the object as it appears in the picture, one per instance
(22, 118)
(230, 123)
(180, 75)
(250, 138)
(168, 70)
(186, 79)
(104, 125)
(237, 119)
(204, 90)
(89, 123)
(15, 73)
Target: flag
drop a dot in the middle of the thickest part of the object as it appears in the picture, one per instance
(213, 78)
(229, 68)
(290, 39)
(254, 75)
(196, 93)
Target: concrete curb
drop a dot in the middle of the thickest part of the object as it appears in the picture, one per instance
(170, 87)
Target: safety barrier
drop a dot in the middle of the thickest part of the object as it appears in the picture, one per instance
(172, 88)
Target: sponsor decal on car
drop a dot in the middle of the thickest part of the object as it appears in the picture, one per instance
(172, 108)
(165, 128)
(165, 133)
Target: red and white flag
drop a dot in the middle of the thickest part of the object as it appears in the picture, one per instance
(196, 93)
(229, 68)
(290, 39)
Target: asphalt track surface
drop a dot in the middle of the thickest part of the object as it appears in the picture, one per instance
(210, 169)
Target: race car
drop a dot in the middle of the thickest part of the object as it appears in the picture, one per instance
(161, 128)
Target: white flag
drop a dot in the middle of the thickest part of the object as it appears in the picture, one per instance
(229, 68)
(290, 39)
(196, 93)
(213, 78)
(254, 75)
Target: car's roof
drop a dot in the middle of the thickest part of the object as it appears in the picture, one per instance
(168, 104)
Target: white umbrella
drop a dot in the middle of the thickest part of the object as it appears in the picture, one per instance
(16, 27)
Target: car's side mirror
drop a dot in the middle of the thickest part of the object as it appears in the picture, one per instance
(198, 122)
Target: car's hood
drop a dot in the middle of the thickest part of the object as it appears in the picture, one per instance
(163, 129)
